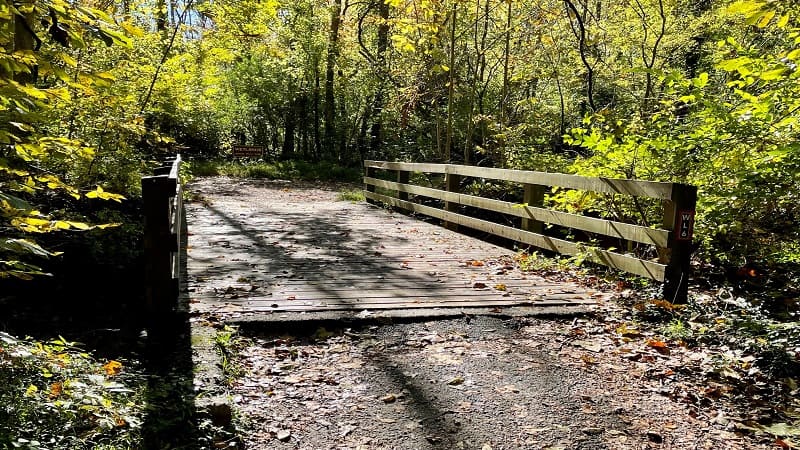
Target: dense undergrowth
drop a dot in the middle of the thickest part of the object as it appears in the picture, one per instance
(55, 395)
(284, 170)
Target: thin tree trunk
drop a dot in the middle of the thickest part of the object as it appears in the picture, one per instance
(451, 87)
(330, 63)
(505, 94)
(376, 131)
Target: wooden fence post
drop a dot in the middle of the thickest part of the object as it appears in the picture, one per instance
(533, 196)
(452, 183)
(679, 214)
(369, 172)
(162, 204)
(402, 177)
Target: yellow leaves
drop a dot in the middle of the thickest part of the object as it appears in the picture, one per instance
(31, 391)
(132, 29)
(403, 44)
(101, 194)
(68, 60)
(112, 368)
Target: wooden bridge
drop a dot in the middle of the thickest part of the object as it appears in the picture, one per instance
(280, 249)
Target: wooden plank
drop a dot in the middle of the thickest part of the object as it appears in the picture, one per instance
(636, 233)
(651, 189)
(626, 263)
(410, 305)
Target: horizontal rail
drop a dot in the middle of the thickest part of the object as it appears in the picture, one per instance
(651, 189)
(648, 269)
(672, 240)
(611, 228)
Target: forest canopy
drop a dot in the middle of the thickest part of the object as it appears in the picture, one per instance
(701, 92)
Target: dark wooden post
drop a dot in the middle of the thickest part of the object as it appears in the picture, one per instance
(452, 183)
(369, 172)
(159, 243)
(533, 196)
(679, 214)
(162, 203)
(402, 177)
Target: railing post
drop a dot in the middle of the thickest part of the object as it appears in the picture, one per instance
(162, 204)
(679, 214)
(158, 243)
(402, 177)
(369, 172)
(452, 183)
(533, 196)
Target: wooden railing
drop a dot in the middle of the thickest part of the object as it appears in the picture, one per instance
(162, 195)
(672, 240)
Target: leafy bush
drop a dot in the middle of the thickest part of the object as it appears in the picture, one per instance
(55, 396)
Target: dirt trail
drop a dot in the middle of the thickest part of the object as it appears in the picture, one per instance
(472, 382)
(482, 383)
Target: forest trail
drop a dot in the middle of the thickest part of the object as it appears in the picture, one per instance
(287, 265)
(261, 248)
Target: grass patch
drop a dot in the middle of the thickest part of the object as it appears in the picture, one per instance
(285, 170)
(351, 195)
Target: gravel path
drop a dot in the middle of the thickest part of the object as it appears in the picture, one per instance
(472, 383)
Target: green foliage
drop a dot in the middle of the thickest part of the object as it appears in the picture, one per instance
(736, 139)
(55, 396)
(281, 170)
(351, 195)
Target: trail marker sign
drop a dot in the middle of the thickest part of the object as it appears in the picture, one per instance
(248, 151)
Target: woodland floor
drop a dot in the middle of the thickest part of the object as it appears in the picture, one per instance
(595, 381)
(484, 383)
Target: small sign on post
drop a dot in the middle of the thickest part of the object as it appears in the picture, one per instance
(248, 151)
(685, 225)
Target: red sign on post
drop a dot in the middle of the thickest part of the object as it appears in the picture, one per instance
(685, 226)
(248, 151)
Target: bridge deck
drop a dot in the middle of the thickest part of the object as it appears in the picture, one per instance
(265, 247)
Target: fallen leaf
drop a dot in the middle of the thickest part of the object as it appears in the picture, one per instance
(782, 429)
(476, 263)
(389, 398)
(659, 346)
(500, 287)
(291, 297)
(535, 430)
(56, 389)
(456, 381)
(592, 346)
(479, 285)
(112, 368)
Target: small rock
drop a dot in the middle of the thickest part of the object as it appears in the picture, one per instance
(283, 435)
(592, 431)
(654, 437)
(456, 381)
(389, 398)
(221, 414)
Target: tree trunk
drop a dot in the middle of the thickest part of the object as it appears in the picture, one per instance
(448, 143)
(317, 133)
(287, 152)
(330, 65)
(376, 137)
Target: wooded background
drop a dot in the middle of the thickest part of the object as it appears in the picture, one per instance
(700, 92)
